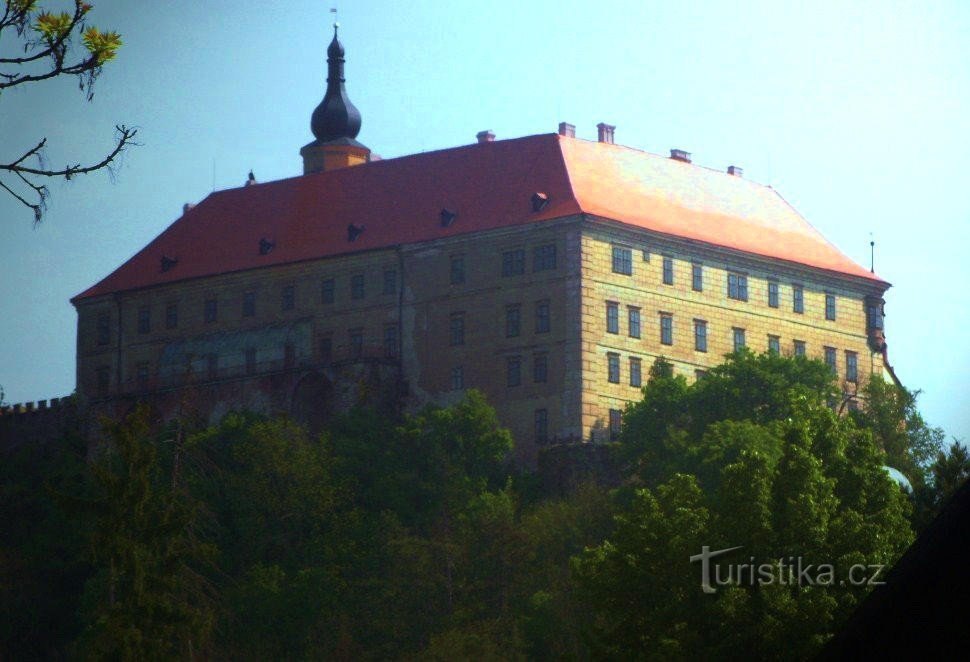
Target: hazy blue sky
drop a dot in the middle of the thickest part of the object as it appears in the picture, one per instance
(858, 113)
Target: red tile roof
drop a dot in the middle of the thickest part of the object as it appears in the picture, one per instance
(490, 186)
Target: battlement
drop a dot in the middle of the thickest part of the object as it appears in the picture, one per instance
(40, 406)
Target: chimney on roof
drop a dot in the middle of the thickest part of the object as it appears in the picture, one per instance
(187, 206)
(604, 132)
(567, 129)
(680, 155)
(485, 136)
(735, 170)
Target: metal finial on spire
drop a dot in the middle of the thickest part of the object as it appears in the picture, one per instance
(872, 254)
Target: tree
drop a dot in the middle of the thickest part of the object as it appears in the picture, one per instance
(48, 43)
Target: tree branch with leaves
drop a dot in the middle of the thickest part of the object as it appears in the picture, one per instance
(48, 42)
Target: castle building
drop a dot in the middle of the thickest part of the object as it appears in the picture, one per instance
(547, 271)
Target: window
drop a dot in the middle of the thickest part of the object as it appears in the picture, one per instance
(635, 372)
(144, 319)
(356, 343)
(390, 281)
(457, 269)
(390, 341)
(326, 349)
(542, 317)
(171, 316)
(457, 329)
(212, 365)
(141, 375)
(612, 317)
(103, 380)
(211, 311)
(542, 426)
(772, 293)
(666, 329)
(738, 287)
(851, 367)
(697, 277)
(513, 371)
(513, 263)
(513, 320)
(874, 317)
(616, 421)
(104, 328)
(326, 291)
(544, 258)
(700, 335)
(540, 368)
(633, 321)
(613, 368)
(798, 299)
(288, 297)
(830, 359)
(622, 261)
(799, 346)
(774, 344)
(738, 338)
(457, 378)
(700, 374)
(357, 286)
(250, 360)
(668, 271)
(645, 254)
(249, 304)
(830, 306)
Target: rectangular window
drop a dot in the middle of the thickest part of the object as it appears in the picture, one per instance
(700, 335)
(616, 422)
(144, 319)
(457, 378)
(326, 349)
(211, 311)
(851, 367)
(356, 343)
(697, 277)
(390, 281)
(700, 374)
(542, 317)
(357, 286)
(666, 329)
(738, 287)
(249, 304)
(798, 299)
(830, 359)
(613, 368)
(250, 360)
(289, 355)
(513, 371)
(540, 368)
(544, 258)
(457, 269)
(773, 293)
(212, 365)
(326, 291)
(103, 380)
(622, 261)
(774, 344)
(456, 327)
(612, 317)
(542, 426)
(513, 321)
(390, 341)
(635, 372)
(104, 328)
(172, 316)
(799, 347)
(633, 321)
(513, 263)
(830, 306)
(288, 297)
(738, 338)
(668, 271)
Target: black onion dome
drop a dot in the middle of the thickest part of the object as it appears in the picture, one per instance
(336, 117)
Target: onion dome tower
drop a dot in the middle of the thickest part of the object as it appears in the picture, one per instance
(335, 122)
